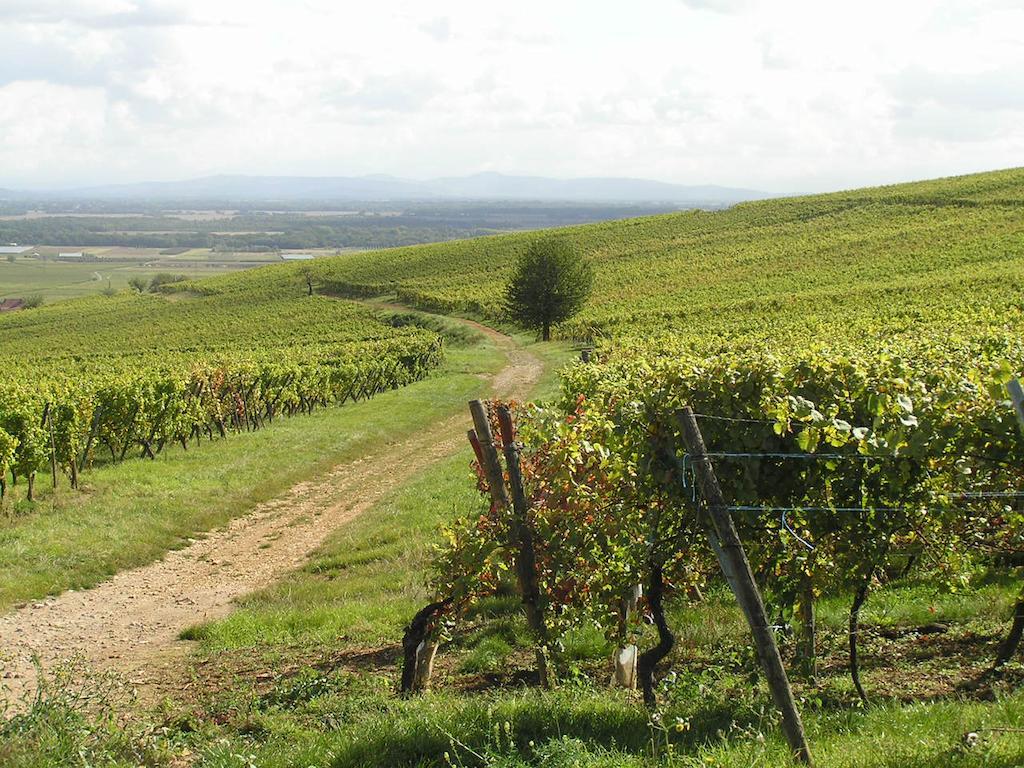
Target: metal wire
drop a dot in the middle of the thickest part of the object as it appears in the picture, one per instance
(735, 419)
(790, 455)
(689, 478)
(752, 508)
(785, 524)
(990, 495)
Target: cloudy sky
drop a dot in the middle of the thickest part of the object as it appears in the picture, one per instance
(783, 95)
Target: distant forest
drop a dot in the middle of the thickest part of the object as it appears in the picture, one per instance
(357, 226)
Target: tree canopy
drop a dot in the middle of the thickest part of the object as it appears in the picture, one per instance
(550, 283)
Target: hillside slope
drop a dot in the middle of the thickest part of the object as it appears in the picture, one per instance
(872, 261)
(864, 261)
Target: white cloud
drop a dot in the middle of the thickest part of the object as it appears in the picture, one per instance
(802, 95)
(718, 6)
(439, 28)
(101, 14)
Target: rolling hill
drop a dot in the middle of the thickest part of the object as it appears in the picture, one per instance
(879, 261)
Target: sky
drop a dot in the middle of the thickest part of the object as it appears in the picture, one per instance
(781, 95)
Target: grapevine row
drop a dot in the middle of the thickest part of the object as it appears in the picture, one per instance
(883, 461)
(65, 413)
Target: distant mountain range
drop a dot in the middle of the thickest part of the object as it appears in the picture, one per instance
(478, 187)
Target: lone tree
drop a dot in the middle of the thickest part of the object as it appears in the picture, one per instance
(550, 283)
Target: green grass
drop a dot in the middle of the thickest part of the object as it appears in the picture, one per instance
(918, 603)
(347, 720)
(365, 581)
(130, 513)
(594, 728)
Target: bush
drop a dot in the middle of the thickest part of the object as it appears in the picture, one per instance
(138, 284)
(165, 278)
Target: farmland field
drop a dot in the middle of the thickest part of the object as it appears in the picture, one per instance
(846, 356)
(56, 280)
(111, 268)
(141, 240)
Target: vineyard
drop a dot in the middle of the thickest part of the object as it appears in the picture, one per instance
(842, 473)
(796, 422)
(847, 416)
(100, 378)
(883, 260)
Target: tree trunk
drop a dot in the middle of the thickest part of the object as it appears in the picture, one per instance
(858, 601)
(129, 435)
(546, 331)
(31, 486)
(649, 659)
(425, 653)
(1009, 646)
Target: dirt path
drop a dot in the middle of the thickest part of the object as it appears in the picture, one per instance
(131, 622)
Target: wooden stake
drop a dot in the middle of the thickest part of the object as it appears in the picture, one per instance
(48, 421)
(491, 462)
(733, 560)
(522, 536)
(806, 647)
(625, 657)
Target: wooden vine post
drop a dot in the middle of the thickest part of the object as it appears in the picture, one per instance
(48, 422)
(733, 560)
(1011, 642)
(483, 442)
(522, 535)
(806, 645)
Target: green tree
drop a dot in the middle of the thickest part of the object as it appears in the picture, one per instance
(138, 283)
(550, 283)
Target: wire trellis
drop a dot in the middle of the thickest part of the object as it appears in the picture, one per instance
(689, 481)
